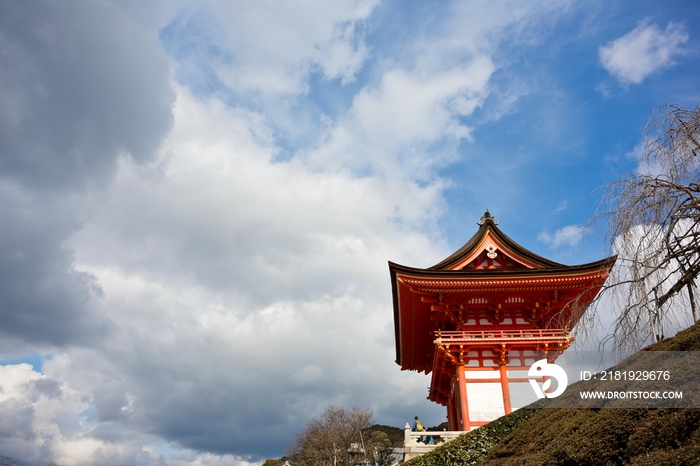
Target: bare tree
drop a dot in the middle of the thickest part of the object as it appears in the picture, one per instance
(652, 218)
(335, 438)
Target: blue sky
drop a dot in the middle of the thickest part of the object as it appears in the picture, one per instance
(199, 200)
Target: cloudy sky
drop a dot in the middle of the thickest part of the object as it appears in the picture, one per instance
(198, 200)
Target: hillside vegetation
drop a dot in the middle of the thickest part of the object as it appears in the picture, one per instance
(565, 436)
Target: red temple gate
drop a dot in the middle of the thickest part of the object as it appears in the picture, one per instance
(491, 306)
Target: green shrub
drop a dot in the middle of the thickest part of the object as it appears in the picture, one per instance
(471, 447)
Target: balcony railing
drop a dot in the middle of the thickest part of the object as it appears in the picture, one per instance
(472, 336)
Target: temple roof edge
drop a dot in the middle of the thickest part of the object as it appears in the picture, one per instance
(488, 225)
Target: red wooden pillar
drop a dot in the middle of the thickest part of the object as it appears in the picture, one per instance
(451, 413)
(463, 401)
(505, 388)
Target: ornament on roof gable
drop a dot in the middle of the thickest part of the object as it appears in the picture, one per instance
(487, 216)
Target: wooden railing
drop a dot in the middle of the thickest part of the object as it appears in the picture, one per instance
(502, 335)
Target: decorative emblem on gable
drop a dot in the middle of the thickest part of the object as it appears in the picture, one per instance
(491, 251)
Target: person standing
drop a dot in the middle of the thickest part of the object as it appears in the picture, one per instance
(418, 427)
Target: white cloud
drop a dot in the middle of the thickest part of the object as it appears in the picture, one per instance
(47, 421)
(43, 418)
(82, 85)
(249, 275)
(570, 234)
(389, 127)
(642, 51)
(268, 47)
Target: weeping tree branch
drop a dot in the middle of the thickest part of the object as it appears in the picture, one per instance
(652, 220)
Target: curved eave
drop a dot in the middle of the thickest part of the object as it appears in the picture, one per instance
(397, 312)
(559, 269)
(475, 241)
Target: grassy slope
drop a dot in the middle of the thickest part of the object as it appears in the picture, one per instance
(535, 436)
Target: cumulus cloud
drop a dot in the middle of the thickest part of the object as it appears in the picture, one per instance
(43, 298)
(389, 127)
(82, 85)
(46, 421)
(268, 47)
(570, 234)
(643, 51)
(196, 276)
